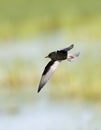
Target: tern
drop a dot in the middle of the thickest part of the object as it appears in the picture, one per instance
(56, 57)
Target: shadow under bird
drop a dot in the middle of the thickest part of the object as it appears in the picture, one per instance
(56, 57)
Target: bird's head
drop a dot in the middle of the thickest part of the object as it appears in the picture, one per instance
(51, 55)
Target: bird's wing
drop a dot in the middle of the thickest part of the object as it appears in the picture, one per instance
(47, 73)
(71, 57)
(67, 49)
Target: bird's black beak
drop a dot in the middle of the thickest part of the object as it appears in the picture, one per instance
(46, 57)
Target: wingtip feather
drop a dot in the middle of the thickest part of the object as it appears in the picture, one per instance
(39, 89)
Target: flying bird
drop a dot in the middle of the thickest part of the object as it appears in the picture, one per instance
(56, 57)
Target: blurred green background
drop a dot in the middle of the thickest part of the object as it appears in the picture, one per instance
(25, 18)
(29, 30)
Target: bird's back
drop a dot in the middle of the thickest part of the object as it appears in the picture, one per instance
(61, 55)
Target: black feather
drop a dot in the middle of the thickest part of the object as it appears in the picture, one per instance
(48, 67)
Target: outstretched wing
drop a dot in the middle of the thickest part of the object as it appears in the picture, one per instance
(47, 73)
(67, 49)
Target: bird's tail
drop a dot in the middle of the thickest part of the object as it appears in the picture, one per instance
(71, 57)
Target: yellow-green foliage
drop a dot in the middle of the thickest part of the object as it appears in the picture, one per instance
(81, 78)
(27, 17)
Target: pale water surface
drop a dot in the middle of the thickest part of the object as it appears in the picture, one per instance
(54, 115)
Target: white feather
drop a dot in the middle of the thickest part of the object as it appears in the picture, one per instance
(47, 76)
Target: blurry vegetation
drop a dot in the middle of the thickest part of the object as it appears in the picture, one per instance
(78, 79)
(18, 72)
(18, 79)
(20, 18)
